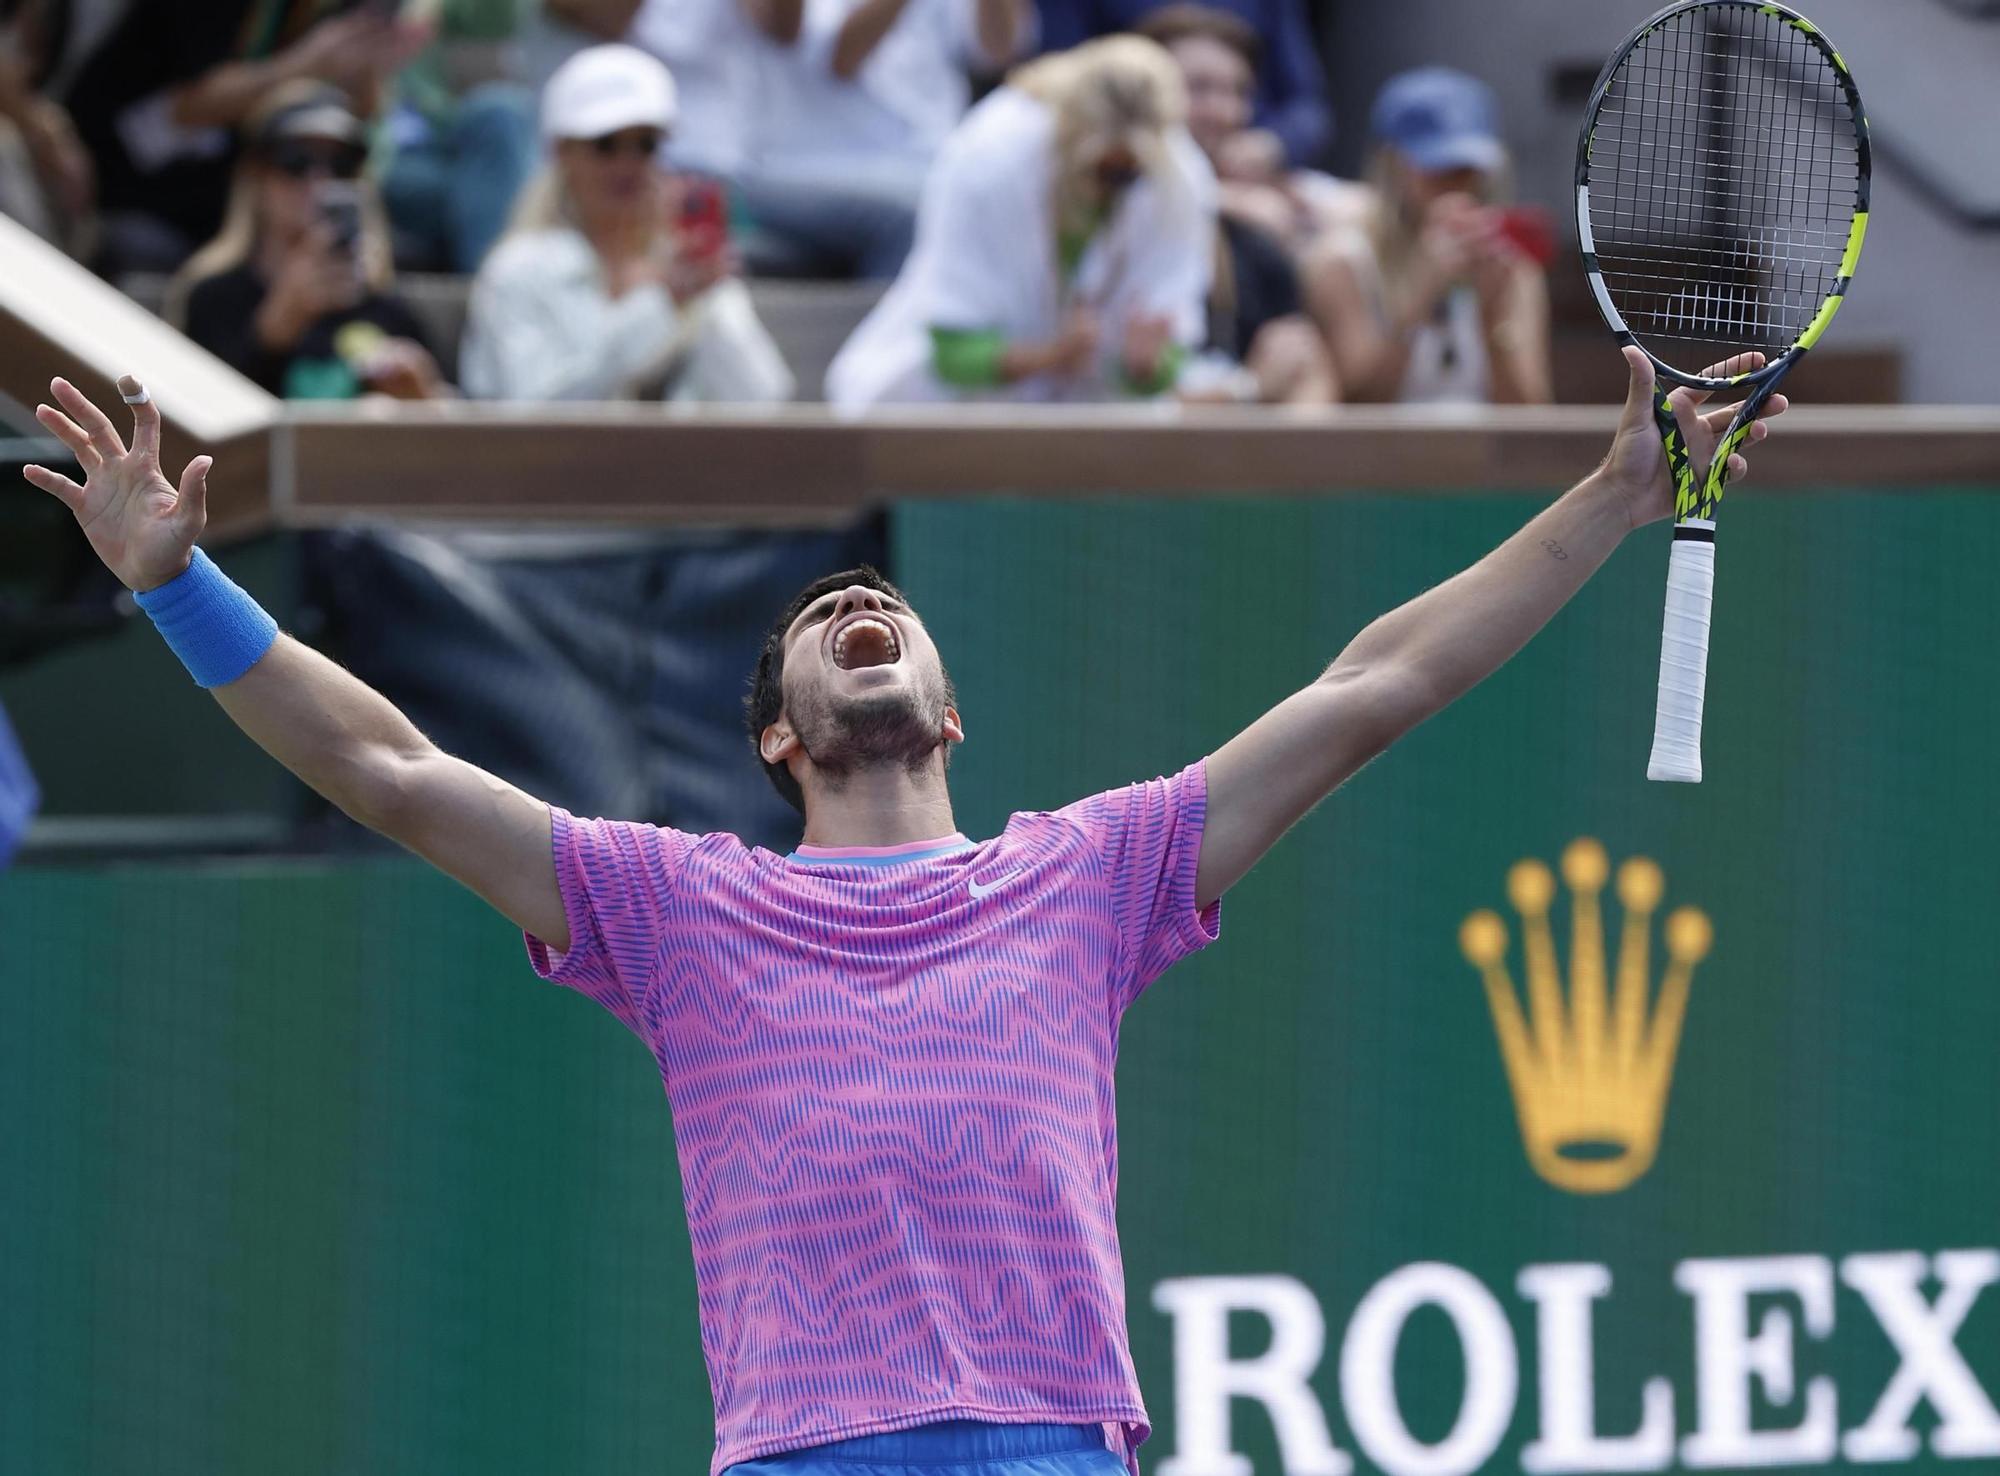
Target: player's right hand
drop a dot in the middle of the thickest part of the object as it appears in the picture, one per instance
(136, 520)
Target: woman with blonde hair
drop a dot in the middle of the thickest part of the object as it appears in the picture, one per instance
(1428, 297)
(297, 289)
(1063, 244)
(616, 280)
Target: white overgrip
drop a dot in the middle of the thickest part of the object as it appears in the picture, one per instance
(1684, 658)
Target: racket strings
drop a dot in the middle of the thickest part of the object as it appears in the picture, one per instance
(1723, 173)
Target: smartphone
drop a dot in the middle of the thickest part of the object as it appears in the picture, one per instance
(338, 202)
(704, 222)
(1533, 232)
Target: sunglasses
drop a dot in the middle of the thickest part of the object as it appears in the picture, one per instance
(629, 143)
(302, 161)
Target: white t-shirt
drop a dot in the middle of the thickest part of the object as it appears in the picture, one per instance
(720, 63)
(985, 259)
(1447, 364)
(542, 326)
(898, 109)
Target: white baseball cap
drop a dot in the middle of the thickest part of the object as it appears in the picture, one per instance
(603, 89)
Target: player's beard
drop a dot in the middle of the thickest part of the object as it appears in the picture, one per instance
(844, 735)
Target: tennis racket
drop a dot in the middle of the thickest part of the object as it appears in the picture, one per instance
(1721, 202)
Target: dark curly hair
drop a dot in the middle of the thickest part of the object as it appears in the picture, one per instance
(766, 698)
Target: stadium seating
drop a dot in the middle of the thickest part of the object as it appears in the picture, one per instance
(809, 320)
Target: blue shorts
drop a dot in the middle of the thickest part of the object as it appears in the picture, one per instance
(951, 1448)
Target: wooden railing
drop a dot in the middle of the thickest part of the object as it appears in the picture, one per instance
(316, 463)
(802, 466)
(58, 319)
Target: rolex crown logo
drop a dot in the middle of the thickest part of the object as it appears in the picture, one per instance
(1590, 1075)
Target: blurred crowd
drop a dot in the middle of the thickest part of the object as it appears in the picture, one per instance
(1064, 199)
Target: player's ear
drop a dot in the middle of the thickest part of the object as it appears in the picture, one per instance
(954, 729)
(777, 743)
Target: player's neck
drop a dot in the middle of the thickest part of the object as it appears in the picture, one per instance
(887, 807)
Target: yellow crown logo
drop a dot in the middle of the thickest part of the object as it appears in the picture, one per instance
(1590, 1079)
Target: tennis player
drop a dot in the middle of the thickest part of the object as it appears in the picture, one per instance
(889, 1053)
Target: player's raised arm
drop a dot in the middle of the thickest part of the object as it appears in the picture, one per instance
(1424, 655)
(334, 732)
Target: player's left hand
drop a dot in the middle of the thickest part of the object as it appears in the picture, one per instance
(1636, 469)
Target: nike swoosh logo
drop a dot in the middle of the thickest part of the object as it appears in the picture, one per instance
(989, 888)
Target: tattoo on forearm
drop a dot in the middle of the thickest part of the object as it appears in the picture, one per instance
(1556, 550)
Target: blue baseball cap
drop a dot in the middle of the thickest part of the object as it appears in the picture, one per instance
(1440, 119)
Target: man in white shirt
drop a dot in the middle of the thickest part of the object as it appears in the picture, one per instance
(1064, 250)
(849, 119)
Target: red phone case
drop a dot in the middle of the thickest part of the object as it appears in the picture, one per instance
(1531, 231)
(704, 216)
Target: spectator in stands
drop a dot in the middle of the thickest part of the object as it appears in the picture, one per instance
(158, 102)
(1294, 123)
(1063, 246)
(555, 31)
(617, 280)
(1433, 298)
(297, 289)
(461, 140)
(1295, 205)
(852, 117)
(715, 50)
(1261, 345)
(46, 181)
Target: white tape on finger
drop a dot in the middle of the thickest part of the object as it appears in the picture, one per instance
(143, 397)
(1684, 660)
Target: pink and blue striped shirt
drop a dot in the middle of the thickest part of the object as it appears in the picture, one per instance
(890, 1071)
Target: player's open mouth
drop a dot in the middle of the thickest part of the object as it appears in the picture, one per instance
(866, 642)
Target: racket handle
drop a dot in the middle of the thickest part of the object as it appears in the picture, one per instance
(1684, 654)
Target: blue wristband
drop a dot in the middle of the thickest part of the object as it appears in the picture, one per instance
(216, 629)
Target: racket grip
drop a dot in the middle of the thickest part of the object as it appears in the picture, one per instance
(1684, 654)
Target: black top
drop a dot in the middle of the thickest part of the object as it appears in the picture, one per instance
(1265, 287)
(222, 314)
(145, 163)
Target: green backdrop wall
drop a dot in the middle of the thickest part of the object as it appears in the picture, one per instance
(303, 1171)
